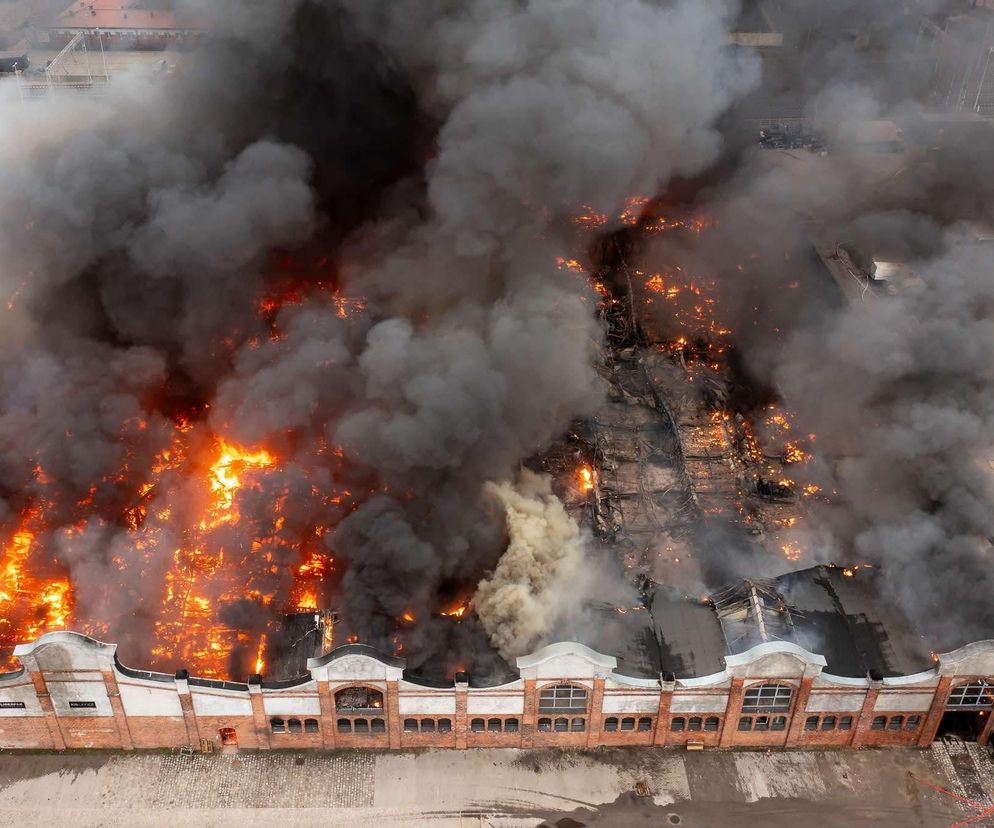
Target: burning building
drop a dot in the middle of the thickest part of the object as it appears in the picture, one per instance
(372, 384)
(733, 670)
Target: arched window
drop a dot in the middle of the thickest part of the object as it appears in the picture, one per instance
(358, 700)
(645, 723)
(379, 726)
(711, 723)
(678, 724)
(494, 725)
(544, 725)
(611, 724)
(845, 723)
(294, 726)
(410, 725)
(912, 723)
(344, 726)
(977, 695)
(427, 725)
(767, 698)
(445, 725)
(562, 725)
(745, 723)
(828, 722)
(511, 726)
(578, 725)
(563, 698)
(361, 726)
(878, 723)
(310, 725)
(477, 725)
(811, 723)
(779, 723)
(278, 725)
(695, 723)
(895, 723)
(628, 723)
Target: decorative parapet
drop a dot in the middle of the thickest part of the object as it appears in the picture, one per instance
(356, 662)
(566, 659)
(976, 659)
(775, 659)
(64, 651)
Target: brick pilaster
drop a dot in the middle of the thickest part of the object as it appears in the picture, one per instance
(866, 715)
(528, 719)
(663, 714)
(393, 714)
(329, 722)
(461, 723)
(51, 719)
(733, 710)
(186, 704)
(120, 717)
(935, 711)
(595, 714)
(799, 708)
(259, 719)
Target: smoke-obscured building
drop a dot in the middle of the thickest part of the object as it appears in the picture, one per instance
(129, 25)
(811, 659)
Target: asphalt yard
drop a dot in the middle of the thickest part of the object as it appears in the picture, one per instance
(941, 786)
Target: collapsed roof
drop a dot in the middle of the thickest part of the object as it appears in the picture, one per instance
(835, 612)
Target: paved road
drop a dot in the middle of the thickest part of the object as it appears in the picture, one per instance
(498, 788)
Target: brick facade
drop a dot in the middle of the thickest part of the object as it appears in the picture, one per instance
(72, 693)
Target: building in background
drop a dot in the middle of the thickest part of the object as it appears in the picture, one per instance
(134, 25)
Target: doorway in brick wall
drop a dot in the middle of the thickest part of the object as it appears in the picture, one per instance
(963, 724)
(229, 737)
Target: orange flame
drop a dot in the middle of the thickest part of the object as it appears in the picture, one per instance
(585, 477)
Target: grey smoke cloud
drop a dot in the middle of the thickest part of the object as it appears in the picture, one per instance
(154, 212)
(898, 388)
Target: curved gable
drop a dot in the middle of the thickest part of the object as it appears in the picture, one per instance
(775, 659)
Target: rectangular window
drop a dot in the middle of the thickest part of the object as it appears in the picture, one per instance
(565, 698)
(85, 705)
(767, 698)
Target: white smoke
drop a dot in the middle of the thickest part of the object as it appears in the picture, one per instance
(520, 603)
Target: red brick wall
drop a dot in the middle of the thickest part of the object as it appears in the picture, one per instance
(159, 731)
(409, 739)
(90, 731)
(209, 728)
(254, 731)
(902, 737)
(294, 741)
(29, 732)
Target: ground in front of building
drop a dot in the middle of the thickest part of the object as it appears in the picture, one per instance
(497, 788)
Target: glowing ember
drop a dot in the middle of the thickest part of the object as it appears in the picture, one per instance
(585, 478)
(456, 611)
(791, 550)
(571, 265)
(259, 662)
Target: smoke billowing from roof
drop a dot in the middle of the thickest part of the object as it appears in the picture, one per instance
(432, 152)
(898, 388)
